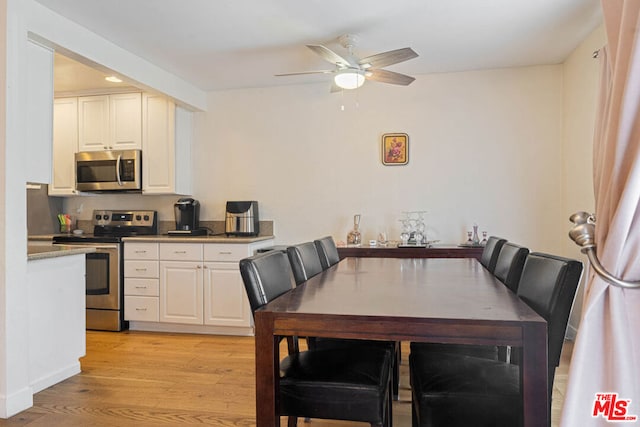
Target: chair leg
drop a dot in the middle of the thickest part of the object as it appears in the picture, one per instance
(389, 409)
(396, 372)
(293, 421)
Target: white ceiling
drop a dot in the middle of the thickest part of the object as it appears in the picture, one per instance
(222, 44)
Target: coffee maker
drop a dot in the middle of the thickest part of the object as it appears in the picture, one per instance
(187, 212)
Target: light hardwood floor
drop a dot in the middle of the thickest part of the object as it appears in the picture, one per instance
(154, 379)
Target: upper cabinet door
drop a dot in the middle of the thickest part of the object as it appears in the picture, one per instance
(110, 122)
(40, 112)
(93, 123)
(125, 121)
(65, 145)
(158, 142)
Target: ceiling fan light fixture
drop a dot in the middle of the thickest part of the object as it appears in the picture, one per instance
(349, 79)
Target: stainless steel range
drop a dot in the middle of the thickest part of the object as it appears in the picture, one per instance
(105, 267)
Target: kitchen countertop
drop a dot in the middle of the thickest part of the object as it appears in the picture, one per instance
(164, 238)
(35, 252)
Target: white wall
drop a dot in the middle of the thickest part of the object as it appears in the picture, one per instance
(15, 393)
(581, 77)
(485, 147)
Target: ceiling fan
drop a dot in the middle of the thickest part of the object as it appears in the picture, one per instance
(351, 72)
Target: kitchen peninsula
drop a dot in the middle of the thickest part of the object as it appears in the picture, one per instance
(56, 306)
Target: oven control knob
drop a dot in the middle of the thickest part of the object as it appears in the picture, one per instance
(98, 217)
(105, 217)
(146, 217)
(138, 217)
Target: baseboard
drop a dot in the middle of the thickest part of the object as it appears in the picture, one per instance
(240, 331)
(55, 377)
(15, 403)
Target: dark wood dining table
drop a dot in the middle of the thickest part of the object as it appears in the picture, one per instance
(427, 300)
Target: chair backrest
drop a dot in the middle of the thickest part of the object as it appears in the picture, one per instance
(304, 260)
(327, 251)
(548, 285)
(266, 276)
(491, 252)
(509, 265)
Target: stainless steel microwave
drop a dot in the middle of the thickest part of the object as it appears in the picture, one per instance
(115, 170)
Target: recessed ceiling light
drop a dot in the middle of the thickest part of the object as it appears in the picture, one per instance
(113, 79)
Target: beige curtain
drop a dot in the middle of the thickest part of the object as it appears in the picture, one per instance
(606, 358)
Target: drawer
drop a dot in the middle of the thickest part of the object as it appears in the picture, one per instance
(143, 269)
(181, 251)
(225, 252)
(141, 287)
(140, 251)
(141, 308)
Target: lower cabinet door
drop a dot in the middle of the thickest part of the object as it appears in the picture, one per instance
(225, 300)
(181, 292)
(138, 308)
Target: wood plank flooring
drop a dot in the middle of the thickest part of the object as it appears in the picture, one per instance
(155, 379)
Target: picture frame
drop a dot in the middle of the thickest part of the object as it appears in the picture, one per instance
(395, 149)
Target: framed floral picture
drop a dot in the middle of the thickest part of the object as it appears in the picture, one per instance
(395, 149)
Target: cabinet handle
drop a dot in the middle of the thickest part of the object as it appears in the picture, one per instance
(224, 253)
(199, 267)
(141, 269)
(141, 287)
(141, 309)
(141, 252)
(179, 252)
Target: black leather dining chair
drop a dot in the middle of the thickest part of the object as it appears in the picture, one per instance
(305, 261)
(339, 383)
(509, 264)
(491, 251)
(327, 251)
(462, 390)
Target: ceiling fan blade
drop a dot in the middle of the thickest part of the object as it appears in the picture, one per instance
(386, 76)
(388, 58)
(329, 55)
(306, 72)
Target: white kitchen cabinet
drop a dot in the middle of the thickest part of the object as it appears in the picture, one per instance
(141, 282)
(110, 122)
(181, 292)
(40, 112)
(225, 300)
(181, 283)
(166, 144)
(200, 289)
(150, 122)
(65, 145)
